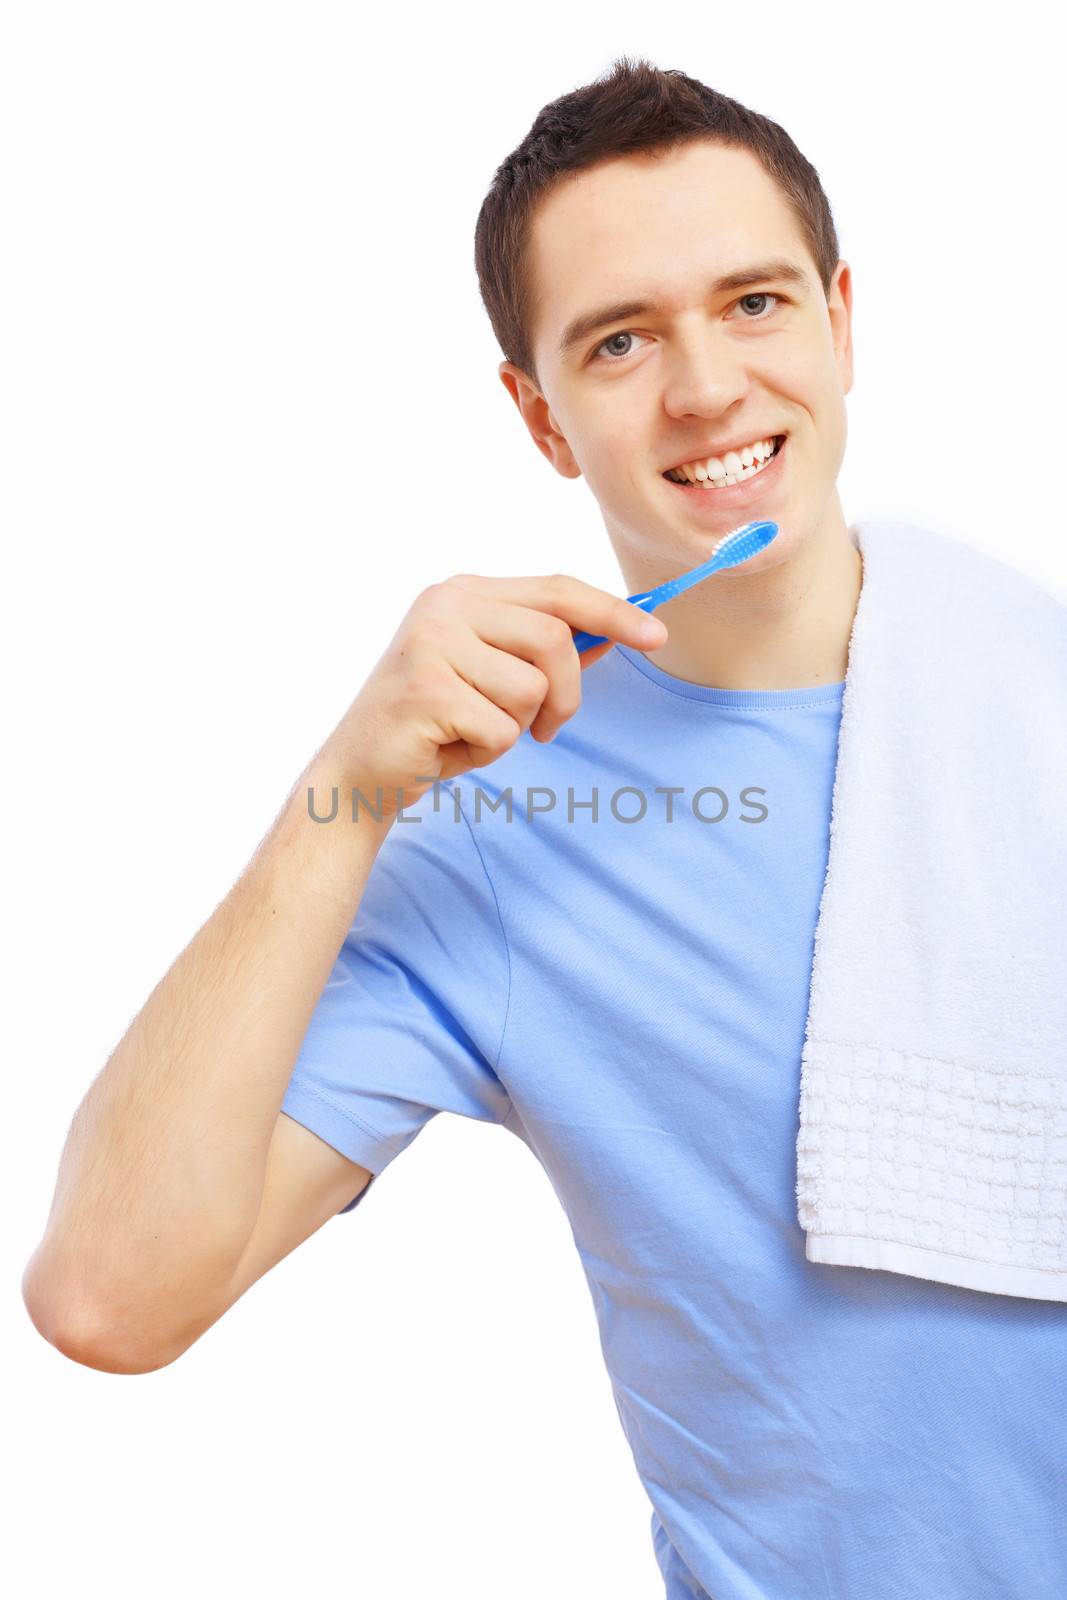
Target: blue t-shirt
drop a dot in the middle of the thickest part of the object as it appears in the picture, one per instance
(626, 990)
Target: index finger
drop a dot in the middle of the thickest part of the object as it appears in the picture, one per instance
(581, 605)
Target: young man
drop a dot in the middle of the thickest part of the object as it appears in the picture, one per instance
(600, 932)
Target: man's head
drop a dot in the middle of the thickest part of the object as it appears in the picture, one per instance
(648, 187)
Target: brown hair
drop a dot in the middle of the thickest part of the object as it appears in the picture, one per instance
(636, 107)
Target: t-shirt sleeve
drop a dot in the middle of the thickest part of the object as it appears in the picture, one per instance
(411, 1019)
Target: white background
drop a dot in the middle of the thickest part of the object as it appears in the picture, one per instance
(250, 409)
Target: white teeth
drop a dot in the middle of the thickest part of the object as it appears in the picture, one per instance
(735, 467)
(731, 466)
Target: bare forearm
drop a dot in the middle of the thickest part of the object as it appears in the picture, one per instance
(161, 1176)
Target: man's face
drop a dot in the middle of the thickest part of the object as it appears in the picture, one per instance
(648, 390)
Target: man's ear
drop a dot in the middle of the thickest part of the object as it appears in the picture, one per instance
(839, 306)
(543, 427)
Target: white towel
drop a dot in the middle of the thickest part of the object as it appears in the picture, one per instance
(933, 1099)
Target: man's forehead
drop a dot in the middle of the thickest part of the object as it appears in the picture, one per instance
(649, 232)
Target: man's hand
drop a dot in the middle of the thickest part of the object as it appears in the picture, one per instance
(475, 662)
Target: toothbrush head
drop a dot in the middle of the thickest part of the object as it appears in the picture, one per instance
(744, 542)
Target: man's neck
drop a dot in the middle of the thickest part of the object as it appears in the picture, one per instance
(785, 628)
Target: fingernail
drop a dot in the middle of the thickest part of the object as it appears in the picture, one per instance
(652, 628)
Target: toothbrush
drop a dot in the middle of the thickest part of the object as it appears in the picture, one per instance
(729, 552)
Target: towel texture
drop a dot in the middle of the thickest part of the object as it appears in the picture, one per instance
(933, 1098)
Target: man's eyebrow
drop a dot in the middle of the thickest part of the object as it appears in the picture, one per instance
(591, 321)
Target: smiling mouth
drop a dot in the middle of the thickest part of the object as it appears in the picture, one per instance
(728, 481)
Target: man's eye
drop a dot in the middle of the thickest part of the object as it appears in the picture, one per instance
(763, 295)
(627, 333)
(624, 334)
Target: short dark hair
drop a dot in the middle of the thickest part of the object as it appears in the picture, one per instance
(635, 107)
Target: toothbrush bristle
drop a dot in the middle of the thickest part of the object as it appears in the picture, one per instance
(737, 546)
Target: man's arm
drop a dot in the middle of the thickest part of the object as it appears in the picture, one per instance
(175, 1187)
(176, 1149)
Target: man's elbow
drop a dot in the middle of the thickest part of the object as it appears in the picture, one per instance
(84, 1338)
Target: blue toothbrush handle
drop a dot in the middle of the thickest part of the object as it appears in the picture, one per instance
(729, 552)
(585, 641)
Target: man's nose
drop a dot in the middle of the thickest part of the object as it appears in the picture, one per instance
(703, 377)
